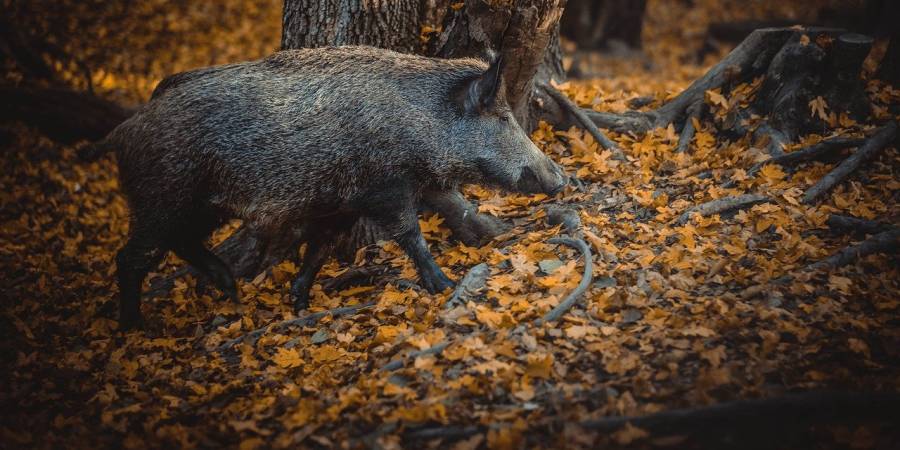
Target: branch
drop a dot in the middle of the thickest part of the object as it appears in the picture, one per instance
(868, 150)
(470, 285)
(719, 205)
(551, 316)
(588, 125)
(583, 285)
(310, 319)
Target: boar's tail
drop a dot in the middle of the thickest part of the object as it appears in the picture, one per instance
(95, 150)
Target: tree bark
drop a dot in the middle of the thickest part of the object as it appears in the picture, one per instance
(526, 35)
(393, 25)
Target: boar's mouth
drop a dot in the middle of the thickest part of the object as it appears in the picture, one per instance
(545, 180)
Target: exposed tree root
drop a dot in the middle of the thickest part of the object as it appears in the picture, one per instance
(634, 122)
(813, 152)
(687, 132)
(720, 205)
(760, 414)
(583, 119)
(310, 319)
(884, 242)
(797, 70)
(882, 138)
(750, 58)
(887, 242)
(550, 316)
(775, 139)
(855, 225)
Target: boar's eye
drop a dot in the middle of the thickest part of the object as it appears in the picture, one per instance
(504, 118)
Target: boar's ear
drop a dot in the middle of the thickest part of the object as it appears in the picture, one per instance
(481, 91)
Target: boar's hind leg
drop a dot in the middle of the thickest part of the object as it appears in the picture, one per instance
(207, 263)
(403, 225)
(318, 248)
(141, 253)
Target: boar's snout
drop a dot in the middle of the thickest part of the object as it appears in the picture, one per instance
(546, 177)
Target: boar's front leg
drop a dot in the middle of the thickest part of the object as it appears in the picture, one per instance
(402, 224)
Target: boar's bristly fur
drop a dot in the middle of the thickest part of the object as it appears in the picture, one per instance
(321, 137)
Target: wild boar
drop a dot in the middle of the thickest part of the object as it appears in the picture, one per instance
(321, 137)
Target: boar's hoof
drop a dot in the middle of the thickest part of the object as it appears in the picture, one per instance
(300, 298)
(437, 282)
(232, 294)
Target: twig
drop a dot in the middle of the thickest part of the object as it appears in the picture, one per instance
(587, 123)
(866, 151)
(470, 285)
(398, 363)
(687, 132)
(583, 285)
(722, 204)
(551, 316)
(640, 102)
(307, 320)
(448, 432)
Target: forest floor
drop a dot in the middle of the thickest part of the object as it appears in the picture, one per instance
(680, 313)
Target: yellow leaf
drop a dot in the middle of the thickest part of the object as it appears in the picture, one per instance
(539, 365)
(817, 107)
(715, 98)
(287, 357)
